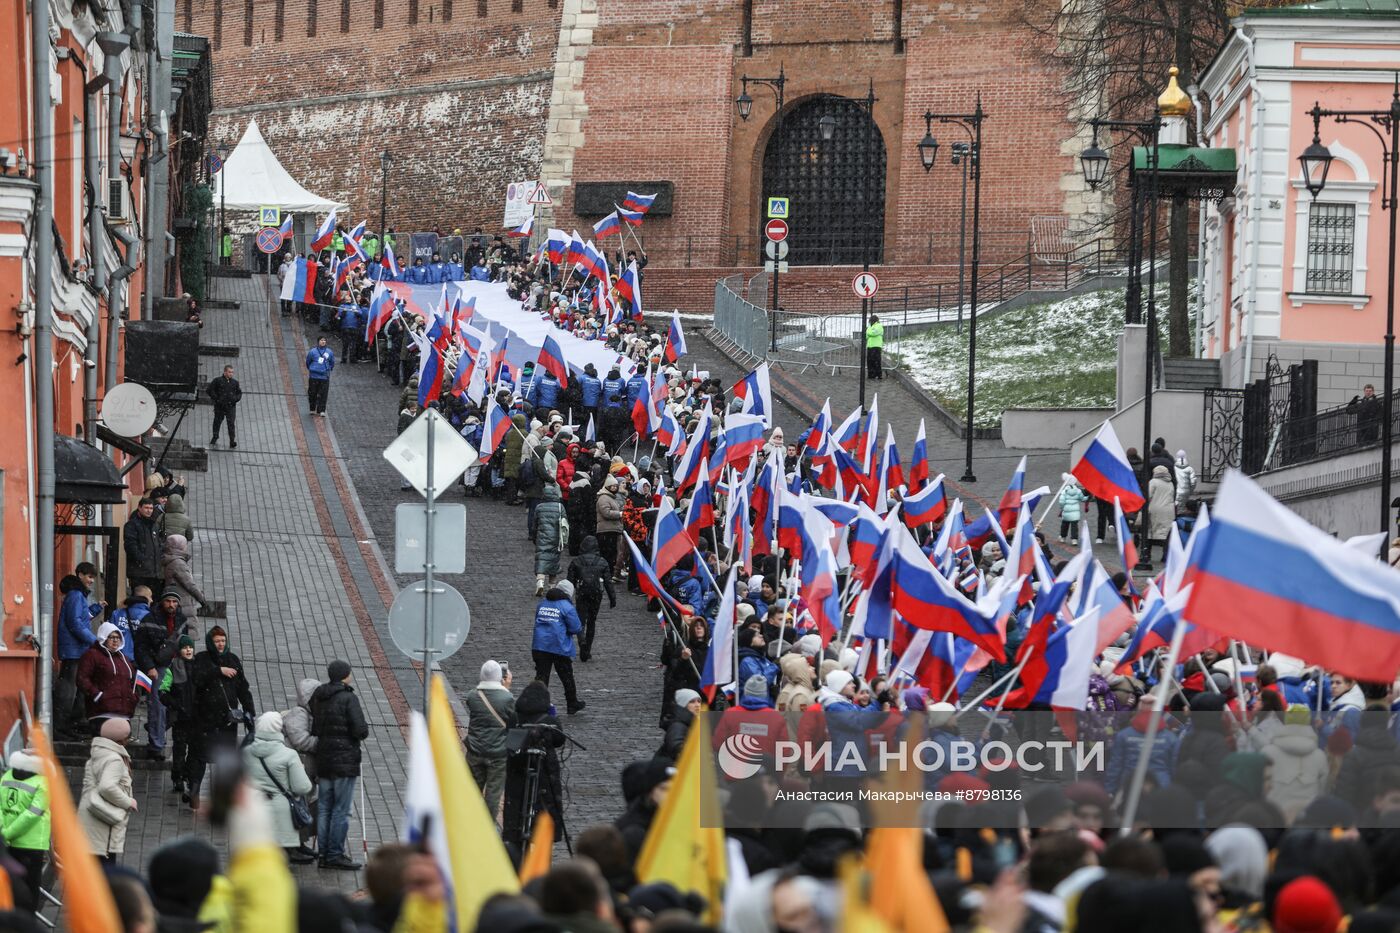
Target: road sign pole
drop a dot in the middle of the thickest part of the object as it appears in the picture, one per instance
(773, 315)
(864, 324)
(428, 582)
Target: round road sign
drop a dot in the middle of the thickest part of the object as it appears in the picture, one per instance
(129, 409)
(452, 620)
(865, 285)
(269, 239)
(776, 230)
(215, 163)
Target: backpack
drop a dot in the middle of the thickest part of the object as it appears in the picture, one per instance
(589, 582)
(528, 471)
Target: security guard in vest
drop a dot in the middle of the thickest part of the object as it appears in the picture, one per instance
(874, 344)
(24, 816)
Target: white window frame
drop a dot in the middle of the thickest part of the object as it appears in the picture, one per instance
(1358, 194)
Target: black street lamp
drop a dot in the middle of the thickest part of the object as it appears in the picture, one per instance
(963, 156)
(971, 124)
(744, 103)
(1316, 160)
(1094, 163)
(223, 150)
(384, 160)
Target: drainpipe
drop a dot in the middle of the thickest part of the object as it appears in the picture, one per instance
(113, 44)
(1256, 206)
(92, 182)
(40, 51)
(1195, 93)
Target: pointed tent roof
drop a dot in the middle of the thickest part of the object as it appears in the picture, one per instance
(257, 179)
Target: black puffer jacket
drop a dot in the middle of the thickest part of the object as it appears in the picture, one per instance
(215, 695)
(141, 539)
(339, 726)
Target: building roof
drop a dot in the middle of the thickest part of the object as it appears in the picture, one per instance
(1380, 9)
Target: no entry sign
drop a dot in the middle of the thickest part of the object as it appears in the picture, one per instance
(776, 230)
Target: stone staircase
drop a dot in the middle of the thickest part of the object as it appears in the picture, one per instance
(1190, 374)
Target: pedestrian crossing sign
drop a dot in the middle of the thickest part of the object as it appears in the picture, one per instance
(269, 216)
(778, 207)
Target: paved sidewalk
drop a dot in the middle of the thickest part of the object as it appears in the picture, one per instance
(273, 539)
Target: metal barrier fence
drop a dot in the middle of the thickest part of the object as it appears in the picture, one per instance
(790, 338)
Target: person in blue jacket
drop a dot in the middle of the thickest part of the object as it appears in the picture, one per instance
(546, 391)
(637, 387)
(352, 325)
(526, 389)
(75, 636)
(437, 272)
(614, 390)
(128, 618)
(453, 270)
(417, 274)
(683, 585)
(590, 389)
(480, 271)
(846, 724)
(556, 625)
(320, 360)
(754, 660)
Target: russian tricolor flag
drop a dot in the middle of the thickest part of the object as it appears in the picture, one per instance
(926, 506)
(325, 233)
(607, 226)
(1096, 590)
(389, 262)
(551, 358)
(918, 464)
(647, 579)
(757, 392)
(675, 339)
(629, 286)
(1160, 617)
(630, 218)
(556, 242)
(496, 428)
(668, 432)
(669, 540)
(381, 311)
(1105, 472)
(429, 371)
(818, 574)
(144, 682)
(524, 229)
(638, 202)
(591, 262)
(1069, 658)
(687, 470)
(719, 661)
(925, 599)
(742, 437)
(1127, 548)
(301, 284)
(1010, 505)
(286, 229)
(889, 463)
(1265, 576)
(701, 513)
(821, 427)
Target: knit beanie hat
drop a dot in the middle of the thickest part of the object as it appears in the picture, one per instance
(746, 637)
(756, 687)
(491, 672)
(836, 681)
(565, 587)
(337, 670)
(1306, 905)
(684, 696)
(186, 641)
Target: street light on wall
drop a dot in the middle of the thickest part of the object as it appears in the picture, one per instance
(384, 159)
(827, 125)
(1316, 160)
(1094, 163)
(928, 150)
(744, 103)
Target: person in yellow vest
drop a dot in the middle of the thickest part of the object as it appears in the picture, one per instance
(24, 816)
(874, 346)
(226, 248)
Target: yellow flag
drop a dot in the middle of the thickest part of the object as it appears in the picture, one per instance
(93, 911)
(537, 856)
(677, 848)
(856, 913)
(480, 866)
(900, 891)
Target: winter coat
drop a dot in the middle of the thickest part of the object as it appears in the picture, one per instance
(174, 521)
(847, 724)
(339, 725)
(175, 567)
(108, 683)
(798, 690)
(1374, 748)
(128, 619)
(141, 541)
(1185, 475)
(1299, 768)
(75, 617)
(225, 392)
(1072, 499)
(267, 752)
(590, 574)
(513, 441)
(1161, 504)
(214, 694)
(156, 645)
(614, 393)
(106, 790)
(755, 718)
(592, 390)
(637, 387)
(676, 733)
(556, 622)
(546, 392)
(549, 542)
(486, 736)
(296, 725)
(609, 513)
(177, 692)
(1126, 748)
(319, 362)
(753, 662)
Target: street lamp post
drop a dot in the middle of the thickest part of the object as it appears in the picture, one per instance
(1316, 160)
(744, 104)
(223, 150)
(1094, 163)
(962, 156)
(971, 124)
(384, 160)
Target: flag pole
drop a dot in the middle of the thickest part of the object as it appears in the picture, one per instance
(1154, 723)
(1051, 504)
(1007, 678)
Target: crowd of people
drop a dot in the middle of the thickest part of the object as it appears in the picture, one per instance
(1271, 799)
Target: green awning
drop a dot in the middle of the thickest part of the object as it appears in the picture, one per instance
(1379, 9)
(1193, 171)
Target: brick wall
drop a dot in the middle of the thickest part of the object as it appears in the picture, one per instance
(457, 97)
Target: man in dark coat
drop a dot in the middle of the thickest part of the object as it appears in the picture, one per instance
(226, 393)
(141, 541)
(339, 725)
(592, 579)
(533, 712)
(155, 642)
(221, 701)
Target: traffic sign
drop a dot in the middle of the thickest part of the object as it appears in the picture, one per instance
(865, 285)
(771, 266)
(452, 455)
(449, 554)
(215, 163)
(269, 216)
(776, 230)
(540, 195)
(451, 620)
(776, 250)
(269, 239)
(778, 207)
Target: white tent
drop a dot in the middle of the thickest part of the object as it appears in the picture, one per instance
(256, 179)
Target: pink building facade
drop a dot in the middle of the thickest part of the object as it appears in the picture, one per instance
(1283, 274)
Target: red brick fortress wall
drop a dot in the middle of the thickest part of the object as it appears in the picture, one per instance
(456, 90)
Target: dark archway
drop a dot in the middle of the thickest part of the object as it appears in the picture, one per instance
(836, 186)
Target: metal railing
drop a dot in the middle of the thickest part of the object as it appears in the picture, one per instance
(836, 249)
(792, 338)
(1328, 433)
